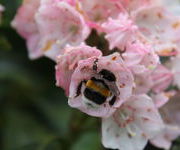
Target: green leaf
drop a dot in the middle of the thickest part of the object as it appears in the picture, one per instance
(58, 115)
(88, 141)
(21, 130)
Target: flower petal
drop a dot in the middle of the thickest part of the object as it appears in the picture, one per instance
(60, 24)
(26, 26)
(165, 138)
(67, 63)
(161, 29)
(97, 11)
(119, 31)
(162, 78)
(132, 125)
(171, 115)
(115, 137)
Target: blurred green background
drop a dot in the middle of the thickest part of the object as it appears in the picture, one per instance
(34, 114)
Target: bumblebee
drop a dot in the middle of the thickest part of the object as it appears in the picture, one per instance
(107, 75)
(97, 91)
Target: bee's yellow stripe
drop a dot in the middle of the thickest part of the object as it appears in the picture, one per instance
(97, 88)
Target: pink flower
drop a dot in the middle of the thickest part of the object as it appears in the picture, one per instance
(161, 29)
(119, 31)
(49, 25)
(59, 24)
(153, 26)
(123, 34)
(164, 140)
(132, 125)
(97, 11)
(143, 83)
(140, 57)
(156, 80)
(162, 78)
(67, 63)
(135, 5)
(171, 116)
(99, 85)
(26, 26)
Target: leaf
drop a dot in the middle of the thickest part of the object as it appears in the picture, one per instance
(21, 129)
(88, 141)
(58, 114)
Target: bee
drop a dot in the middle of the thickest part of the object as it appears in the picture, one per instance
(107, 75)
(96, 90)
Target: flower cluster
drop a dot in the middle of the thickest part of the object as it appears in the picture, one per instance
(134, 89)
